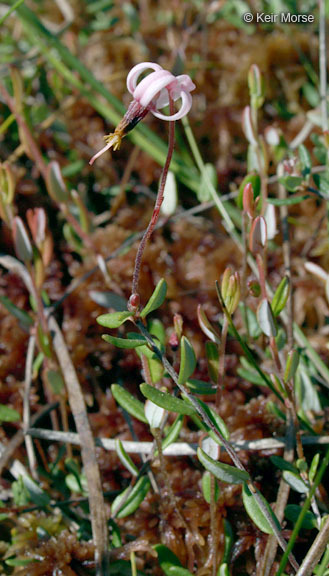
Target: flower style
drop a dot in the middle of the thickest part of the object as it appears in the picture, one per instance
(151, 94)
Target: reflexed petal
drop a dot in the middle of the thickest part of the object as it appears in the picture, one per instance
(148, 88)
(184, 109)
(136, 71)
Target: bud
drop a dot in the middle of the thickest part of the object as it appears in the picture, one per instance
(258, 235)
(272, 136)
(254, 288)
(23, 246)
(266, 319)
(248, 200)
(231, 290)
(248, 127)
(174, 342)
(55, 184)
(7, 191)
(133, 302)
(256, 87)
(37, 221)
(291, 365)
(178, 325)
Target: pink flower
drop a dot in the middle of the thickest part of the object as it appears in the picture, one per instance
(150, 95)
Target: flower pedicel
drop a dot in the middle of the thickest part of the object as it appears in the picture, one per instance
(150, 95)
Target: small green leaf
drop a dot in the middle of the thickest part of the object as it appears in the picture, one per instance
(166, 401)
(8, 414)
(295, 482)
(216, 420)
(280, 297)
(187, 361)
(169, 562)
(248, 372)
(21, 561)
(134, 500)
(314, 467)
(200, 387)
(128, 402)
(291, 183)
(291, 201)
(127, 343)
(282, 464)
(292, 512)
(223, 472)
(173, 432)
(206, 487)
(38, 496)
(23, 317)
(212, 360)
(266, 319)
(305, 160)
(125, 458)
(114, 319)
(157, 298)
(255, 513)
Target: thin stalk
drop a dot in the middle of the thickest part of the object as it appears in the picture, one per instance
(159, 200)
(10, 11)
(221, 364)
(213, 525)
(323, 566)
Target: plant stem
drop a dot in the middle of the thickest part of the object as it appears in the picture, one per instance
(233, 455)
(221, 366)
(157, 207)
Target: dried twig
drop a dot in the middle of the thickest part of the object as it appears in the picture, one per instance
(88, 454)
(175, 449)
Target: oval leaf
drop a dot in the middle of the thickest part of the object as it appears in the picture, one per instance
(166, 401)
(223, 472)
(129, 402)
(114, 319)
(295, 482)
(187, 361)
(8, 414)
(125, 458)
(138, 340)
(292, 512)
(206, 487)
(266, 319)
(173, 432)
(157, 298)
(255, 513)
(134, 499)
(281, 296)
(169, 562)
